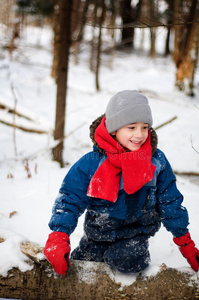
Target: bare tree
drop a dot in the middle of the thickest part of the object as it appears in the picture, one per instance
(127, 13)
(65, 12)
(56, 29)
(168, 17)
(153, 16)
(103, 9)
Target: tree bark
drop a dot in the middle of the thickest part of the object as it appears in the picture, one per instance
(103, 8)
(177, 29)
(56, 30)
(82, 15)
(128, 16)
(94, 38)
(114, 14)
(167, 48)
(75, 15)
(153, 12)
(187, 47)
(65, 11)
(170, 21)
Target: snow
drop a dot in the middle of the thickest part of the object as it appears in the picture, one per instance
(26, 202)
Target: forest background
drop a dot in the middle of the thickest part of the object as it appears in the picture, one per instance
(69, 19)
(60, 64)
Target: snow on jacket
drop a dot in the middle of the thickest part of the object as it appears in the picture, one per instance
(140, 213)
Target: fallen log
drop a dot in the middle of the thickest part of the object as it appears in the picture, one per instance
(91, 281)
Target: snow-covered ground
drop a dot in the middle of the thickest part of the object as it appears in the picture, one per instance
(26, 203)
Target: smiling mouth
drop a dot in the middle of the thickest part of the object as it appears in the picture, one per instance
(137, 143)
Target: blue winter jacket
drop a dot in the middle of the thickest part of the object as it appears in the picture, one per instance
(140, 213)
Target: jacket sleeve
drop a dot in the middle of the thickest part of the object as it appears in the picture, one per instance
(72, 200)
(173, 215)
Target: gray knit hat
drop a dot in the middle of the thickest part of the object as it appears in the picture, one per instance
(127, 107)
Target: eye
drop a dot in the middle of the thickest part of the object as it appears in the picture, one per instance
(131, 127)
(146, 127)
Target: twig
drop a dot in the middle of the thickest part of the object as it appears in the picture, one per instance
(23, 128)
(186, 173)
(193, 146)
(165, 123)
(14, 118)
(14, 111)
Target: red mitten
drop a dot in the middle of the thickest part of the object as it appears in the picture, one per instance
(57, 251)
(188, 250)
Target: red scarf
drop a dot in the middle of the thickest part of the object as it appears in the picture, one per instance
(136, 166)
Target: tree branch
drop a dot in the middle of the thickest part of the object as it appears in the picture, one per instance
(31, 130)
(165, 123)
(186, 173)
(144, 25)
(193, 146)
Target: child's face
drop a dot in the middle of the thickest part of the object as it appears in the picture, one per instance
(132, 136)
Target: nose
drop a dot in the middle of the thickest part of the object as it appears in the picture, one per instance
(139, 133)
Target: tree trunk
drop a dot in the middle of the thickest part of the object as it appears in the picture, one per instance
(103, 8)
(65, 10)
(152, 52)
(170, 21)
(152, 12)
(128, 16)
(114, 13)
(15, 32)
(186, 47)
(177, 29)
(93, 42)
(81, 26)
(56, 29)
(75, 15)
(167, 48)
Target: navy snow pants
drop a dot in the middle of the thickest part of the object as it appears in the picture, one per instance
(125, 256)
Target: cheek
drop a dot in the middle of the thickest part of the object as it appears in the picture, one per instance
(146, 135)
(120, 136)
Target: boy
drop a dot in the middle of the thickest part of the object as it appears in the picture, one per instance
(128, 188)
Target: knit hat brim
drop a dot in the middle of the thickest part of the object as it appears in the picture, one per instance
(127, 107)
(141, 113)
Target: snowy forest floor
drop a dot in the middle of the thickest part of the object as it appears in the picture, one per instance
(30, 180)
